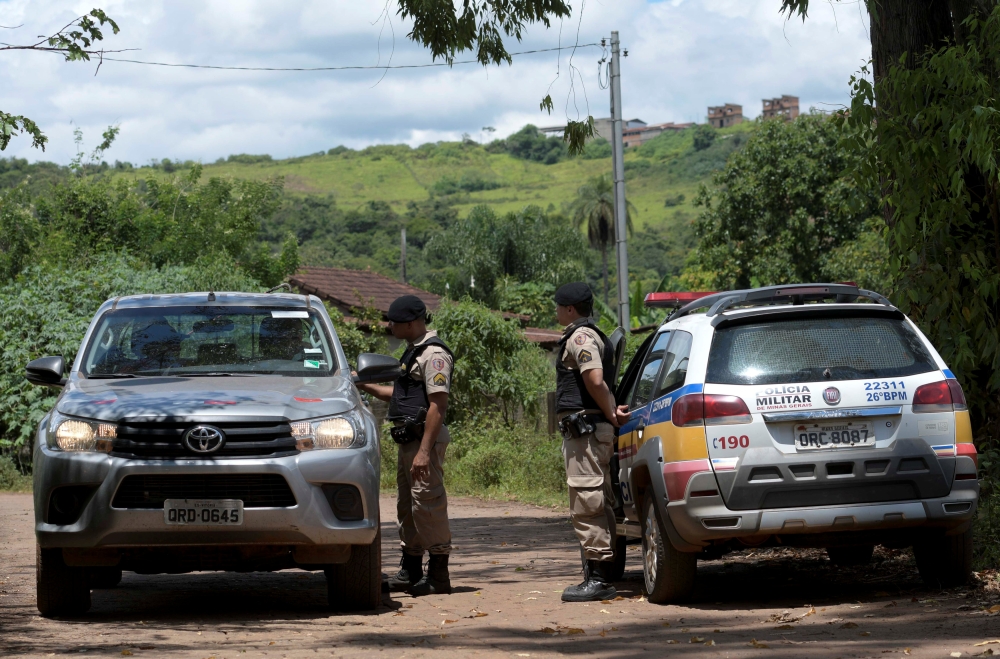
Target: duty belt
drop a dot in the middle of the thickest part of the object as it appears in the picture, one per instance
(578, 424)
(409, 430)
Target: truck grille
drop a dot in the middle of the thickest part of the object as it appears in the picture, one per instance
(148, 491)
(161, 440)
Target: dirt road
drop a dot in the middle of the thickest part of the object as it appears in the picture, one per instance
(510, 563)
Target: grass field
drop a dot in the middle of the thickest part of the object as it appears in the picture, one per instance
(664, 168)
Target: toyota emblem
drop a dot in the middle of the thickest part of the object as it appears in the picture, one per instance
(203, 440)
(831, 395)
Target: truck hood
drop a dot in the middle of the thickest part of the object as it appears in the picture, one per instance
(267, 396)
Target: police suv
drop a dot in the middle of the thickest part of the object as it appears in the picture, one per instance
(813, 415)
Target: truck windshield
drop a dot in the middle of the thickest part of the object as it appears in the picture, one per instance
(209, 340)
(810, 350)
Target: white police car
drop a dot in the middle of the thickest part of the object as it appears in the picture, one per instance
(813, 415)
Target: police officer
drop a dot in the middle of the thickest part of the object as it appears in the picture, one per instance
(418, 402)
(585, 375)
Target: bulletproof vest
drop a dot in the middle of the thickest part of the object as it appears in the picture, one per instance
(571, 393)
(410, 395)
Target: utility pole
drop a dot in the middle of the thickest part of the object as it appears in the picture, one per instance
(618, 160)
(402, 254)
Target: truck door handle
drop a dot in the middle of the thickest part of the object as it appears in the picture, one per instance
(640, 427)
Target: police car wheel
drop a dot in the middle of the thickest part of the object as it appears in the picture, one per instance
(59, 588)
(945, 561)
(357, 584)
(668, 573)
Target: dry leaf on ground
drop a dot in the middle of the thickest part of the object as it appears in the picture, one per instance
(849, 625)
(757, 644)
(995, 641)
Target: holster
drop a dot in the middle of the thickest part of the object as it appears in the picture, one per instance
(578, 424)
(412, 430)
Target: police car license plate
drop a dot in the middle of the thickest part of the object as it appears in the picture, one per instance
(848, 434)
(201, 512)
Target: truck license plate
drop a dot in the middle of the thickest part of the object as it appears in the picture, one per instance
(200, 512)
(848, 434)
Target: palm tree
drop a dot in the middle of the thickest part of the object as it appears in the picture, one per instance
(595, 206)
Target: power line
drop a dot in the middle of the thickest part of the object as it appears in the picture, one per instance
(334, 68)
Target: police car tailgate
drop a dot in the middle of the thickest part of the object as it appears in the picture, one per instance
(821, 443)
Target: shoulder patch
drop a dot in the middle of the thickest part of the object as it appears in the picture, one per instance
(584, 357)
(440, 380)
(437, 364)
(580, 339)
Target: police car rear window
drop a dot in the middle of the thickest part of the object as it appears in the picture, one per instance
(811, 350)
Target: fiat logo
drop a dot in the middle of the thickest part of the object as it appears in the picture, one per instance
(203, 440)
(831, 395)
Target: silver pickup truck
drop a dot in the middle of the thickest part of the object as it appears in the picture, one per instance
(207, 431)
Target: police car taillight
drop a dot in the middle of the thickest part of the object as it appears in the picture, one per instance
(709, 410)
(943, 396)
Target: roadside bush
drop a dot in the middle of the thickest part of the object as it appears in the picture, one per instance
(46, 312)
(11, 478)
(496, 368)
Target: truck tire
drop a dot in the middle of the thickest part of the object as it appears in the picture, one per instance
(945, 561)
(60, 589)
(669, 574)
(105, 577)
(618, 562)
(357, 584)
(851, 556)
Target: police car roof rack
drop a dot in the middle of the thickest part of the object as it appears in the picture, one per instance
(789, 294)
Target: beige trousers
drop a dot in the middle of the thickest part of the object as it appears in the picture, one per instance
(591, 498)
(422, 506)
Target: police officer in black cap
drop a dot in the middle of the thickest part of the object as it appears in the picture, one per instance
(418, 402)
(588, 416)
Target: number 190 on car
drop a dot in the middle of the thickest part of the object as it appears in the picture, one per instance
(201, 512)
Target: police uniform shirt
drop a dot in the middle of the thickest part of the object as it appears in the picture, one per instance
(583, 350)
(433, 366)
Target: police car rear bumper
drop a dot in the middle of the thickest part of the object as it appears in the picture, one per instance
(700, 520)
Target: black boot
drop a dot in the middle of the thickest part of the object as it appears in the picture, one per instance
(596, 584)
(437, 581)
(410, 572)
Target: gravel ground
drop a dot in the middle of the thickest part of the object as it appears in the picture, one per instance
(511, 561)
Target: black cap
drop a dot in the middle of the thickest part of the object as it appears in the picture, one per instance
(406, 308)
(574, 293)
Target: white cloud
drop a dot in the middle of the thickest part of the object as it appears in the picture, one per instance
(683, 56)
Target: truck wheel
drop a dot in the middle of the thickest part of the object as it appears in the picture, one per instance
(669, 574)
(945, 561)
(60, 589)
(105, 577)
(357, 584)
(618, 562)
(850, 556)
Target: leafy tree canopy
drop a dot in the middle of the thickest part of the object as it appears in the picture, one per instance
(781, 206)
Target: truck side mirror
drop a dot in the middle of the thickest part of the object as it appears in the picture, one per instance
(46, 372)
(376, 368)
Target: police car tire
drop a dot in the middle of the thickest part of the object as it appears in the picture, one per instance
(357, 584)
(675, 570)
(618, 563)
(945, 561)
(60, 589)
(851, 556)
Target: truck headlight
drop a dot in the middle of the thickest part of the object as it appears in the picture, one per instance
(81, 435)
(342, 431)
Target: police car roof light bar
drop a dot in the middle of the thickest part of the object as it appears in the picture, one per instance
(672, 300)
(788, 294)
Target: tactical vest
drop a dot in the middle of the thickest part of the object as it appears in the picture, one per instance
(571, 392)
(410, 395)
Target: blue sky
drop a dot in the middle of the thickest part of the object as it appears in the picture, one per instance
(683, 56)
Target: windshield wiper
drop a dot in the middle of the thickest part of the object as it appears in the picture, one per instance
(215, 374)
(109, 376)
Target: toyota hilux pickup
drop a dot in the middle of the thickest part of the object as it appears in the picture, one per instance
(207, 431)
(814, 415)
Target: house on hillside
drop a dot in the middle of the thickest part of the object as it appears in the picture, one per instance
(348, 290)
(602, 127)
(786, 107)
(642, 134)
(724, 116)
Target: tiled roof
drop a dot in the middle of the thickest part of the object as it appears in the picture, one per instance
(356, 288)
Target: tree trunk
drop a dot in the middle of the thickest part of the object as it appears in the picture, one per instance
(604, 261)
(906, 27)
